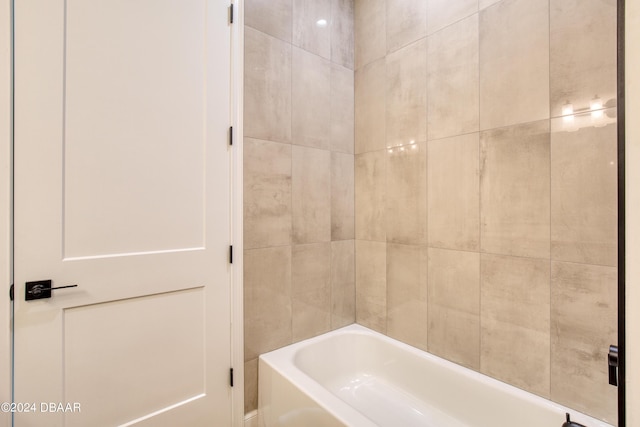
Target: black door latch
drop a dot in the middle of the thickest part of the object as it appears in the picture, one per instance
(613, 365)
(41, 289)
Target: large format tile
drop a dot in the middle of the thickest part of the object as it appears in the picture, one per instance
(406, 22)
(453, 193)
(371, 285)
(342, 109)
(453, 79)
(250, 385)
(267, 87)
(311, 188)
(406, 194)
(514, 316)
(273, 17)
(514, 190)
(267, 300)
(584, 324)
(370, 195)
(370, 31)
(342, 37)
(312, 26)
(267, 193)
(310, 290)
(454, 306)
(407, 294)
(370, 107)
(483, 4)
(514, 65)
(441, 13)
(584, 182)
(342, 197)
(343, 283)
(311, 100)
(583, 53)
(406, 98)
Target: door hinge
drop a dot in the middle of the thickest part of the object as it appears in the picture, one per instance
(231, 14)
(11, 290)
(231, 254)
(231, 377)
(230, 135)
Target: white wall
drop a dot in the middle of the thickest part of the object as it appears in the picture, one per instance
(633, 210)
(5, 180)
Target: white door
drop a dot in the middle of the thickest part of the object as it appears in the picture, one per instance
(122, 187)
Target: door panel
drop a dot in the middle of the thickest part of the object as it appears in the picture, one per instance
(122, 186)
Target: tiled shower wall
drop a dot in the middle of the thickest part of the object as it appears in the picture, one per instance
(485, 219)
(299, 259)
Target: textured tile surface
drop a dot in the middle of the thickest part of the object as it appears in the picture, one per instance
(407, 294)
(453, 193)
(406, 194)
(406, 108)
(267, 87)
(370, 176)
(267, 284)
(514, 66)
(370, 31)
(342, 35)
(441, 13)
(584, 199)
(250, 385)
(453, 80)
(514, 313)
(267, 193)
(583, 53)
(406, 22)
(583, 324)
(342, 196)
(273, 17)
(370, 107)
(454, 306)
(311, 290)
(342, 109)
(311, 188)
(343, 283)
(311, 100)
(371, 285)
(309, 31)
(514, 190)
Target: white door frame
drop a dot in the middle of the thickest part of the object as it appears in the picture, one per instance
(237, 344)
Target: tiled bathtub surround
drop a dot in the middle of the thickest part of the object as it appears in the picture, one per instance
(485, 221)
(299, 225)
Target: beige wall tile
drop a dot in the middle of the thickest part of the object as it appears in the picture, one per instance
(584, 200)
(308, 34)
(514, 190)
(483, 4)
(407, 294)
(342, 197)
(454, 306)
(342, 109)
(583, 53)
(441, 13)
(370, 107)
(514, 318)
(406, 194)
(371, 285)
(250, 385)
(343, 283)
(267, 87)
(406, 22)
(453, 79)
(267, 285)
(311, 200)
(311, 290)
(584, 324)
(370, 195)
(453, 193)
(370, 31)
(406, 97)
(342, 37)
(267, 193)
(273, 17)
(514, 65)
(311, 100)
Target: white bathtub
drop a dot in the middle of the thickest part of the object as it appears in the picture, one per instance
(359, 378)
